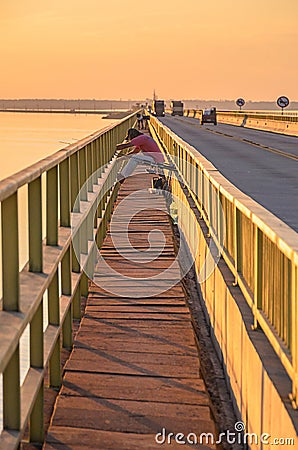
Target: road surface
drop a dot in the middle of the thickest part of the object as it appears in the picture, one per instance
(261, 164)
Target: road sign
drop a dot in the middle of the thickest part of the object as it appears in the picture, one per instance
(283, 101)
(240, 102)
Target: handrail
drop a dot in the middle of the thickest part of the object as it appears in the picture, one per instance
(260, 250)
(288, 116)
(86, 169)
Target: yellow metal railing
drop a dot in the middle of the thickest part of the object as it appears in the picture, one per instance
(55, 272)
(288, 116)
(260, 250)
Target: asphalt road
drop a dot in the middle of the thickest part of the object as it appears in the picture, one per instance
(268, 175)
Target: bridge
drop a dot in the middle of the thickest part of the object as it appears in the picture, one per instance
(154, 317)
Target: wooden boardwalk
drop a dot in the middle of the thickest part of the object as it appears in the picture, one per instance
(134, 369)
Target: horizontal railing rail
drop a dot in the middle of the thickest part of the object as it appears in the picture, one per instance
(80, 181)
(260, 250)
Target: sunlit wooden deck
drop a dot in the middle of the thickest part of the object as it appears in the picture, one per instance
(134, 368)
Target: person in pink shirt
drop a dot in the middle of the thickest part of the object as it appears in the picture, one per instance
(145, 150)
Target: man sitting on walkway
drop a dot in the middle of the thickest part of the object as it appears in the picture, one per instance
(146, 151)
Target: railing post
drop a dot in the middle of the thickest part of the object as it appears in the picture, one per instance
(258, 272)
(52, 206)
(239, 239)
(89, 168)
(294, 333)
(36, 360)
(35, 225)
(75, 253)
(83, 172)
(12, 393)
(10, 253)
(77, 303)
(64, 193)
(66, 273)
(100, 156)
(54, 319)
(66, 290)
(94, 164)
(74, 180)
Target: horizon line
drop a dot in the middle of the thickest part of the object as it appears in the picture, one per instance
(137, 99)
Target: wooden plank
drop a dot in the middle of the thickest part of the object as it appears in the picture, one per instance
(133, 363)
(127, 416)
(188, 391)
(138, 309)
(77, 439)
(141, 315)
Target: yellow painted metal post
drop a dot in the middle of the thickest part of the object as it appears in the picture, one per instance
(75, 205)
(288, 302)
(64, 169)
(258, 272)
(109, 135)
(66, 273)
(12, 393)
(10, 253)
(220, 222)
(53, 300)
(36, 360)
(210, 205)
(55, 370)
(66, 290)
(89, 168)
(84, 284)
(202, 192)
(106, 148)
(83, 172)
(294, 334)
(37, 418)
(67, 340)
(99, 152)
(75, 253)
(54, 319)
(99, 234)
(90, 224)
(74, 183)
(77, 303)
(36, 338)
(35, 225)
(83, 237)
(238, 243)
(94, 146)
(52, 207)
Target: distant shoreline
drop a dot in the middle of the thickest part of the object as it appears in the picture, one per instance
(112, 113)
(109, 106)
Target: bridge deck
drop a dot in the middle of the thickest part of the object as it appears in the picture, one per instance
(258, 163)
(134, 369)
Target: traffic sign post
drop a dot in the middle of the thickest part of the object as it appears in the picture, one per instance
(283, 102)
(240, 102)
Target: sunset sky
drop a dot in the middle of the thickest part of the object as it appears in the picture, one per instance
(220, 49)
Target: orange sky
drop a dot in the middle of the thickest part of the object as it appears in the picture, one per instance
(219, 49)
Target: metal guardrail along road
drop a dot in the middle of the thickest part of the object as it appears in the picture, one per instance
(260, 251)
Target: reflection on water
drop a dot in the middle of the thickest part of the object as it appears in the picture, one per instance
(25, 138)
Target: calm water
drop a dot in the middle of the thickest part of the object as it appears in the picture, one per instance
(28, 137)
(25, 138)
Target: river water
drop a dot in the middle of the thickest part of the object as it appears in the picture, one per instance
(25, 138)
